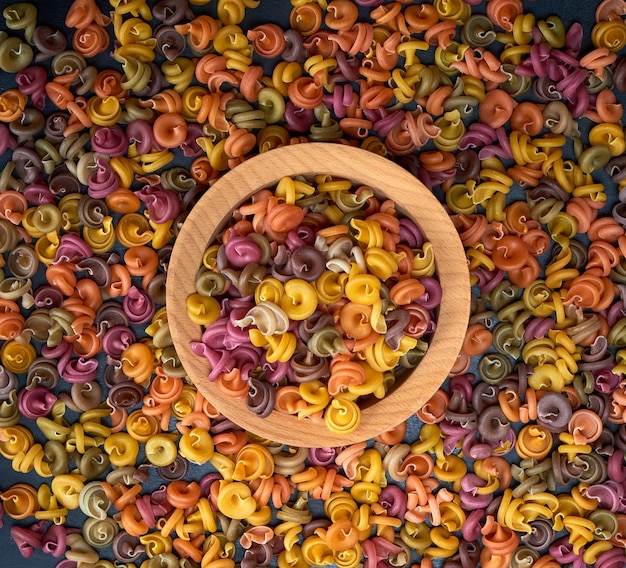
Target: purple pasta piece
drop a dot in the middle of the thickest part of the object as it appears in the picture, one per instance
(49, 42)
(615, 466)
(613, 558)
(477, 136)
(139, 306)
(339, 100)
(307, 263)
(619, 74)
(220, 361)
(174, 471)
(247, 358)
(460, 412)
(410, 233)
(469, 495)
(463, 384)
(546, 188)
(609, 495)
(7, 141)
(545, 90)
(574, 39)
(125, 394)
(172, 12)
(159, 501)
(469, 553)
(281, 269)
(306, 367)
(538, 327)
(467, 165)
(605, 381)
(474, 448)
(580, 102)
(487, 279)
(103, 181)
(27, 540)
(298, 119)
(347, 69)
(215, 335)
(501, 150)
(110, 314)
(388, 121)
(156, 83)
(396, 321)
(322, 456)
(432, 295)
(92, 212)
(110, 140)
(236, 335)
(541, 535)
(54, 540)
(146, 510)
(293, 241)
(493, 425)
(309, 528)
(394, 501)
(38, 194)
(28, 164)
(96, 269)
(600, 404)
(619, 212)
(206, 482)
(257, 555)
(127, 548)
(139, 132)
(241, 251)
(562, 551)
(56, 122)
(276, 371)
(170, 43)
(261, 398)
(162, 204)
(294, 46)
(62, 182)
(222, 424)
(31, 82)
(117, 339)
(113, 373)
(377, 547)
(189, 147)
(471, 527)
(553, 412)
(42, 372)
(506, 445)
(36, 402)
(72, 249)
(454, 435)
(79, 370)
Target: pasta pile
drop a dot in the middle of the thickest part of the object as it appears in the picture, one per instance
(318, 289)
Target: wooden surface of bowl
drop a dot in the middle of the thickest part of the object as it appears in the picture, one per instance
(413, 199)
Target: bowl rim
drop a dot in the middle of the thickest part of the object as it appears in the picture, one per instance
(415, 200)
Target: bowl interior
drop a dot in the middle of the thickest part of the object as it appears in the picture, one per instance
(412, 199)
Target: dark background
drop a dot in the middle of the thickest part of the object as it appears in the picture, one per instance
(52, 13)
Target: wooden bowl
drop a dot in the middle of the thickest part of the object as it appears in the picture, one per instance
(413, 199)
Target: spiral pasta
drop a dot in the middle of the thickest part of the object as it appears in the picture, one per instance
(381, 331)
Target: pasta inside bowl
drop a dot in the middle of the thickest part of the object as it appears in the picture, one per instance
(195, 262)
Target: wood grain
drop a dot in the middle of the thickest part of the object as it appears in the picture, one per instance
(411, 197)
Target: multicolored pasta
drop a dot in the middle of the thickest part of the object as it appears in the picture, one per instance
(319, 319)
